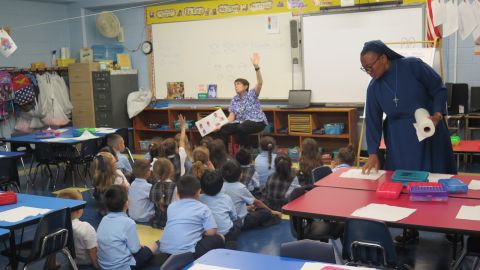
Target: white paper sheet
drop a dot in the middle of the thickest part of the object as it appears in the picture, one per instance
(56, 139)
(357, 173)
(22, 212)
(434, 177)
(86, 135)
(438, 11)
(467, 21)
(450, 25)
(199, 266)
(105, 130)
(383, 212)
(211, 122)
(474, 185)
(469, 212)
(2, 155)
(61, 130)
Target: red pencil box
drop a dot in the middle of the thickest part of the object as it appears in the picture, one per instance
(8, 198)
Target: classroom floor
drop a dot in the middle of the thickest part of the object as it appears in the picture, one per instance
(432, 252)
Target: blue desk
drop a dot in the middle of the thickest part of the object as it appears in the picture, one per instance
(68, 135)
(8, 165)
(39, 202)
(248, 261)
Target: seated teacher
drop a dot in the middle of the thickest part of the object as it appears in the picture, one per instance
(246, 117)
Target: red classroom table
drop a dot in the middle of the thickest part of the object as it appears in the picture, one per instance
(338, 204)
(334, 180)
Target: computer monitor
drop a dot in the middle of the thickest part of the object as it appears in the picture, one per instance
(475, 99)
(459, 104)
(299, 98)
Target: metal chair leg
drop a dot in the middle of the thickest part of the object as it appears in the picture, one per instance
(70, 259)
(458, 262)
(25, 266)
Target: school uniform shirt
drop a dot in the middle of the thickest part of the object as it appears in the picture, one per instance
(261, 167)
(123, 163)
(223, 211)
(117, 240)
(343, 165)
(187, 220)
(240, 196)
(140, 208)
(277, 191)
(182, 154)
(84, 238)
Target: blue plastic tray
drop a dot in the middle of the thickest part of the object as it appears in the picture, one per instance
(406, 176)
(453, 185)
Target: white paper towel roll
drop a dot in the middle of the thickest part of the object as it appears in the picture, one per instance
(424, 125)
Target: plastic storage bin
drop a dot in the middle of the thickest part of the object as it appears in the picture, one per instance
(421, 184)
(454, 185)
(106, 52)
(405, 176)
(334, 128)
(428, 193)
(144, 145)
(455, 140)
(389, 190)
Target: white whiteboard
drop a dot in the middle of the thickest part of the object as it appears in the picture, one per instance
(332, 43)
(218, 51)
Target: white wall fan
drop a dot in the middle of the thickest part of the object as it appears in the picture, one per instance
(109, 26)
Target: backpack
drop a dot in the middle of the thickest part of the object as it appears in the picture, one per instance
(6, 94)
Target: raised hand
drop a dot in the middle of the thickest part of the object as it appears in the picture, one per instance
(255, 59)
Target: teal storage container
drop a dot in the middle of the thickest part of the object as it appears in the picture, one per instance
(106, 52)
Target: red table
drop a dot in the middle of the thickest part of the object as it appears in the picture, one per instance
(465, 146)
(334, 180)
(339, 204)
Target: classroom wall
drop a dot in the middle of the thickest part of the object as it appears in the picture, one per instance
(34, 43)
(468, 64)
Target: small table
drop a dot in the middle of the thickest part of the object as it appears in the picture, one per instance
(38, 202)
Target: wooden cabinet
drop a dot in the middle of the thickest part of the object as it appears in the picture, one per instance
(81, 93)
(153, 122)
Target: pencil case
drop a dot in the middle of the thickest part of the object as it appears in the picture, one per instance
(428, 193)
(453, 185)
(8, 198)
(406, 176)
(389, 190)
(421, 184)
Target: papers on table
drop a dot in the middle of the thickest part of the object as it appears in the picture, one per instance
(357, 173)
(22, 212)
(324, 266)
(434, 177)
(86, 135)
(469, 212)
(383, 212)
(199, 266)
(61, 130)
(474, 185)
(2, 155)
(105, 130)
(56, 139)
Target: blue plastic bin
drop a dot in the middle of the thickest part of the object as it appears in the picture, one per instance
(334, 128)
(106, 52)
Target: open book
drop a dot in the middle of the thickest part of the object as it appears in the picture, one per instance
(211, 122)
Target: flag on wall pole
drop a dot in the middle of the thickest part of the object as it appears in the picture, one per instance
(433, 32)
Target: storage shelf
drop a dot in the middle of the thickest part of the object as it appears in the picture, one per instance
(277, 118)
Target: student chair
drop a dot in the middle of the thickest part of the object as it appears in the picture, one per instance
(309, 250)
(320, 172)
(81, 155)
(472, 249)
(322, 230)
(48, 155)
(53, 234)
(7, 184)
(369, 243)
(178, 261)
(4, 144)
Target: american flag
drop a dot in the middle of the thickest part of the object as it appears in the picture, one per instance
(433, 32)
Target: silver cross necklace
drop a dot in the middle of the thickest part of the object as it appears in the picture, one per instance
(394, 93)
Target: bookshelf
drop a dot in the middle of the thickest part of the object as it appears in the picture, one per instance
(153, 122)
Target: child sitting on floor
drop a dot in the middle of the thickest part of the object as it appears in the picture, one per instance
(281, 183)
(116, 142)
(118, 244)
(163, 191)
(344, 159)
(141, 208)
(190, 226)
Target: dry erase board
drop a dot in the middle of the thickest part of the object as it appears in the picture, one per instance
(332, 43)
(218, 51)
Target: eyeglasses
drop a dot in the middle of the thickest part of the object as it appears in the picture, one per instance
(369, 69)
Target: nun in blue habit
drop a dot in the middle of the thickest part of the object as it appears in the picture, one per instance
(399, 86)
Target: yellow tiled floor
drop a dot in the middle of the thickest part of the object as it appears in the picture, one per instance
(148, 235)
